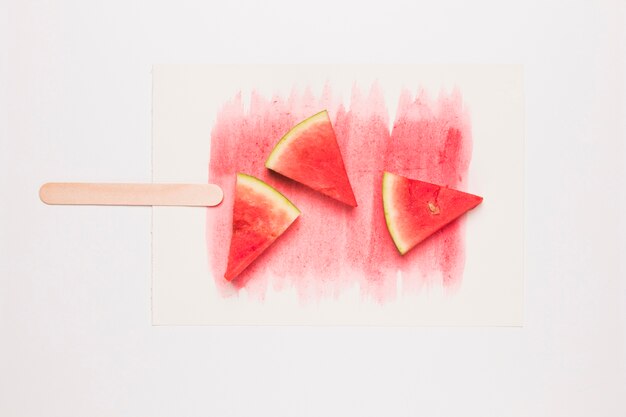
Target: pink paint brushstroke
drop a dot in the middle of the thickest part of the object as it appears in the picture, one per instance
(333, 247)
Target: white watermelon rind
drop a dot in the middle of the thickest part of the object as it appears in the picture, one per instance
(294, 133)
(391, 212)
(270, 192)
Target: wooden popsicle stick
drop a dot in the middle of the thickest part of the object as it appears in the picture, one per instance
(73, 193)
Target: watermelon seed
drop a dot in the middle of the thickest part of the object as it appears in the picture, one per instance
(434, 209)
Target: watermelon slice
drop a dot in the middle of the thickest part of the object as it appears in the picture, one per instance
(260, 215)
(415, 209)
(309, 154)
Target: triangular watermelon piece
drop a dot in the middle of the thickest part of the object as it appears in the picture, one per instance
(416, 209)
(309, 154)
(260, 215)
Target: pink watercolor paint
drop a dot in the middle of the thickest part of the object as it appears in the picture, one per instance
(333, 247)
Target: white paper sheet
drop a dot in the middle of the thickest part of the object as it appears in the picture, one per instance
(186, 99)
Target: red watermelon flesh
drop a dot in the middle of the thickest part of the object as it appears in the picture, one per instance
(415, 209)
(309, 154)
(260, 215)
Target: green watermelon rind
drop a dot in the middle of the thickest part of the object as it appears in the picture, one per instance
(283, 143)
(267, 190)
(388, 182)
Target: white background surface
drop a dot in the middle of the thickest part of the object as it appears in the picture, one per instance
(75, 282)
